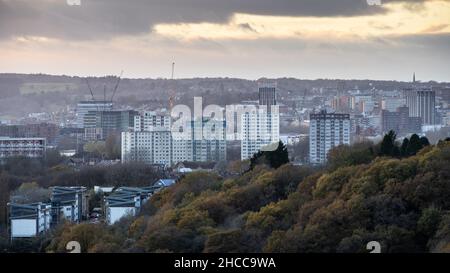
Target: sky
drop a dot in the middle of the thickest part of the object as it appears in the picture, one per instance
(306, 39)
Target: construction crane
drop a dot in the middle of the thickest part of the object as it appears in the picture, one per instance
(90, 89)
(92, 93)
(117, 85)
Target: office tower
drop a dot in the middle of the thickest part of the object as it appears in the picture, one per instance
(327, 130)
(267, 95)
(400, 122)
(99, 125)
(258, 129)
(83, 107)
(421, 103)
(27, 147)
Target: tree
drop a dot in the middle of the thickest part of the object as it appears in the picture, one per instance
(424, 141)
(388, 146)
(274, 159)
(31, 193)
(52, 158)
(414, 145)
(404, 147)
(344, 155)
(97, 148)
(112, 147)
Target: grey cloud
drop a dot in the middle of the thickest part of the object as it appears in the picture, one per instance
(101, 19)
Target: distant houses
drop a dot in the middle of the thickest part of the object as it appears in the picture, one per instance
(30, 220)
(127, 201)
(71, 204)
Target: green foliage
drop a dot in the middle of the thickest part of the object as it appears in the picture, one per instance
(409, 147)
(232, 241)
(274, 159)
(429, 221)
(388, 146)
(344, 155)
(401, 202)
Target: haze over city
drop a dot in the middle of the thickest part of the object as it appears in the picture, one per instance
(259, 38)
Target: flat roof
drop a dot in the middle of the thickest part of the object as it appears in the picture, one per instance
(22, 138)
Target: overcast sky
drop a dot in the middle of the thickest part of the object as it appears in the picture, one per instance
(305, 39)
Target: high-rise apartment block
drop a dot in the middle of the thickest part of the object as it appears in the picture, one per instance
(260, 126)
(152, 141)
(259, 129)
(327, 130)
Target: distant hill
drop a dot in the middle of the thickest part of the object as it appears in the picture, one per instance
(40, 93)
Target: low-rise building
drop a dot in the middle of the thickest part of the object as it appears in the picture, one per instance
(69, 203)
(126, 201)
(29, 220)
(27, 147)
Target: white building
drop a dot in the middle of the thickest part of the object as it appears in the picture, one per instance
(69, 203)
(153, 142)
(152, 121)
(327, 130)
(29, 220)
(150, 141)
(127, 201)
(209, 140)
(28, 147)
(151, 147)
(259, 128)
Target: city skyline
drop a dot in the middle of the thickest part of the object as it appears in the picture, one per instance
(346, 39)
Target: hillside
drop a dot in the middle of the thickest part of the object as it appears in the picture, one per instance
(46, 93)
(402, 203)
